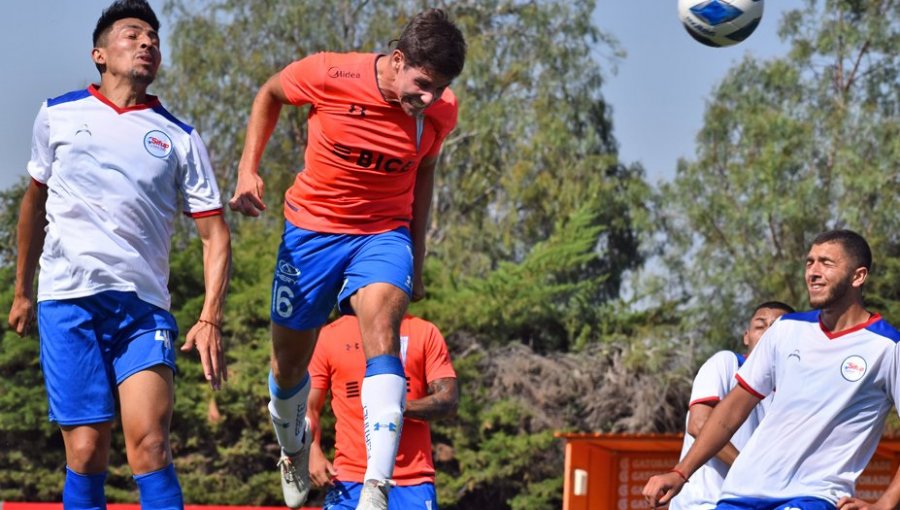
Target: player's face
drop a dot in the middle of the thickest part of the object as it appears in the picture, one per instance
(130, 49)
(418, 88)
(759, 323)
(830, 274)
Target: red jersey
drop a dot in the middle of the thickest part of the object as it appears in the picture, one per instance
(363, 153)
(338, 364)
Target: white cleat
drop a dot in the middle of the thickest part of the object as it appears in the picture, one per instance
(374, 495)
(294, 471)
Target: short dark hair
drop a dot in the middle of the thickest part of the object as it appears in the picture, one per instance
(121, 9)
(774, 305)
(854, 244)
(433, 42)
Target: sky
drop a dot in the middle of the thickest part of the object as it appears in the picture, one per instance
(658, 93)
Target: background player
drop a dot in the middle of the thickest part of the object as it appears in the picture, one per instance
(835, 369)
(356, 221)
(713, 381)
(107, 166)
(338, 365)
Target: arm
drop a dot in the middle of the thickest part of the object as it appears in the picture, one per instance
(321, 470)
(248, 195)
(206, 334)
(721, 425)
(889, 500)
(418, 229)
(30, 242)
(699, 415)
(441, 402)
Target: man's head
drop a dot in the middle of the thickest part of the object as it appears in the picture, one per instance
(836, 268)
(763, 317)
(126, 41)
(430, 53)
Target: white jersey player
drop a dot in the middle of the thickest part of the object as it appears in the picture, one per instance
(110, 169)
(713, 381)
(836, 371)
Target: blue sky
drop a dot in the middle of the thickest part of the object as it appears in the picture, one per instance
(658, 94)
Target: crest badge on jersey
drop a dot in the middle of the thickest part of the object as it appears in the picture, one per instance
(158, 144)
(853, 368)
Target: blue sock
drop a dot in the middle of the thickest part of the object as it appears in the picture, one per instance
(160, 490)
(84, 492)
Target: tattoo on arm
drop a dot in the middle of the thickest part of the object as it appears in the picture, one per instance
(441, 402)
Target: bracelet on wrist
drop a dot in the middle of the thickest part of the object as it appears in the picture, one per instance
(679, 473)
(211, 323)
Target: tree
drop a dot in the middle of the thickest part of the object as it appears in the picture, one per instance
(791, 147)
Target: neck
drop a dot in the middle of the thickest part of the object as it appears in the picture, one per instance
(121, 92)
(385, 76)
(840, 316)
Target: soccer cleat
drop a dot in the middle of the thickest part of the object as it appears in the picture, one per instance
(374, 495)
(294, 470)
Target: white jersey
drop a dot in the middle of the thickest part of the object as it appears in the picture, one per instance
(713, 381)
(113, 179)
(834, 392)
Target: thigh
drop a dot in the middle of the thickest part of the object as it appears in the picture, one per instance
(144, 337)
(414, 497)
(308, 274)
(379, 258)
(77, 374)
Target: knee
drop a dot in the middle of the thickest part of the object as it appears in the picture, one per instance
(149, 452)
(86, 454)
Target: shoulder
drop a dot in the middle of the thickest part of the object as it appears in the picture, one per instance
(68, 97)
(722, 360)
(161, 110)
(884, 329)
(800, 317)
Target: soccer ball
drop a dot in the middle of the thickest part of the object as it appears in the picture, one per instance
(720, 22)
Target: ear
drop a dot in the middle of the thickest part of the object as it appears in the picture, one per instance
(98, 56)
(746, 338)
(397, 60)
(859, 277)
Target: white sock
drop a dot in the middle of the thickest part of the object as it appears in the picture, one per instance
(288, 410)
(383, 399)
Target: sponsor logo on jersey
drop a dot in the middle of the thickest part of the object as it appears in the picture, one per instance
(158, 144)
(336, 72)
(853, 368)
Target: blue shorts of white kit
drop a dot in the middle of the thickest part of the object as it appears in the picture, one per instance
(801, 503)
(315, 271)
(90, 345)
(345, 496)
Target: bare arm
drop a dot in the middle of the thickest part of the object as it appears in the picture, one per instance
(321, 470)
(441, 402)
(422, 197)
(248, 195)
(206, 334)
(717, 431)
(30, 242)
(699, 415)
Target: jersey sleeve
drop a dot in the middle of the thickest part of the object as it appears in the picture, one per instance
(444, 120)
(712, 381)
(320, 368)
(757, 375)
(197, 181)
(303, 80)
(437, 356)
(41, 163)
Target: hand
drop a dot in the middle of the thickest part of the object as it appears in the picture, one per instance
(660, 489)
(208, 340)
(418, 292)
(21, 315)
(321, 471)
(248, 195)
(848, 503)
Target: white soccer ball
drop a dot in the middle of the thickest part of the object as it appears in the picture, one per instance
(720, 22)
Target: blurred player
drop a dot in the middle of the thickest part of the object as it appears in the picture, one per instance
(836, 373)
(338, 365)
(109, 167)
(356, 222)
(713, 381)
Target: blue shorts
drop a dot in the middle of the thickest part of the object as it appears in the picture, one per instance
(316, 271)
(90, 345)
(345, 496)
(801, 503)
